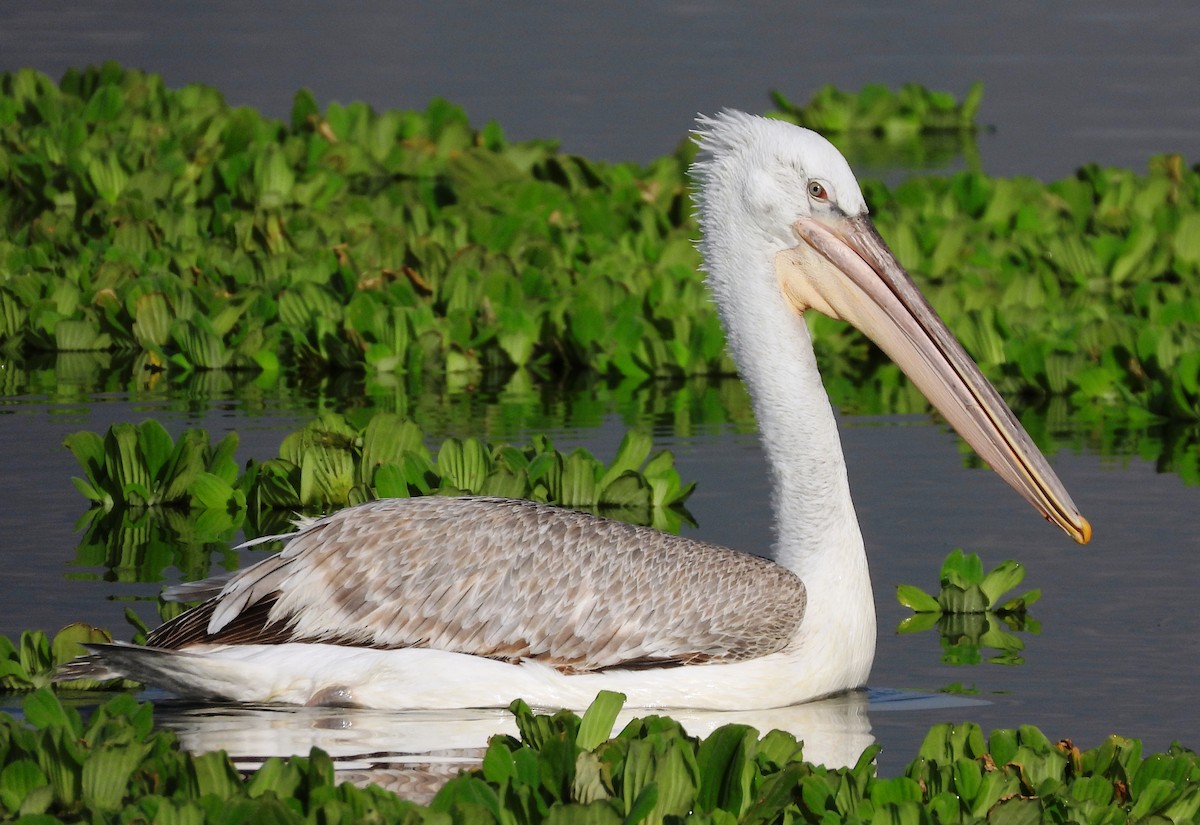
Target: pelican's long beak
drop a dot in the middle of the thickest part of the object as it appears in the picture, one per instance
(844, 269)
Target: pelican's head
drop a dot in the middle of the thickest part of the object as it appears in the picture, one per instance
(774, 190)
(770, 174)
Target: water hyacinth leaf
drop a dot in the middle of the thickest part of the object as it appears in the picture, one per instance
(668, 490)
(464, 464)
(88, 449)
(498, 764)
(419, 473)
(326, 476)
(1017, 811)
(69, 642)
(277, 777)
(597, 722)
(82, 335)
(152, 321)
(1174, 770)
(1182, 806)
(641, 808)
(155, 448)
(578, 481)
(387, 437)
(628, 490)
(1018, 604)
(18, 780)
(518, 334)
(222, 462)
(633, 452)
(216, 775)
(1001, 579)
(273, 178)
(390, 482)
(1134, 253)
(36, 657)
(1186, 241)
(896, 791)
(199, 344)
(213, 492)
(960, 600)
(962, 569)
(107, 771)
(917, 599)
(725, 764)
(108, 178)
(505, 483)
(44, 711)
(13, 677)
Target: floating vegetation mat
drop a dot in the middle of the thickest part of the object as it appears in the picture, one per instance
(195, 236)
(115, 767)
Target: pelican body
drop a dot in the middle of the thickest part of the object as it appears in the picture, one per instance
(472, 602)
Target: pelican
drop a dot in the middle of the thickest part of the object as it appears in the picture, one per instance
(434, 603)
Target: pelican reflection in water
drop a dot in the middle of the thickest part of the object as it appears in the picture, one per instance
(471, 602)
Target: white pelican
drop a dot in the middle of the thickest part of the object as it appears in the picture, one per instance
(471, 602)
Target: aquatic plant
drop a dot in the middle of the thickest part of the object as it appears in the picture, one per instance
(912, 109)
(31, 663)
(911, 127)
(150, 492)
(167, 225)
(968, 613)
(331, 463)
(391, 242)
(115, 766)
(965, 588)
(141, 465)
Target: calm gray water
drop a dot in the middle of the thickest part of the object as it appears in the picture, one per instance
(1117, 650)
(1065, 84)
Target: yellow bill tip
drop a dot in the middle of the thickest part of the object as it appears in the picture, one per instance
(1082, 532)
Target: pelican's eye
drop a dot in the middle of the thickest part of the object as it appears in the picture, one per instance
(816, 191)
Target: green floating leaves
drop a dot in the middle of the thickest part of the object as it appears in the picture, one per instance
(967, 611)
(116, 767)
(31, 663)
(194, 236)
(332, 464)
(912, 126)
(140, 465)
(879, 110)
(212, 238)
(965, 588)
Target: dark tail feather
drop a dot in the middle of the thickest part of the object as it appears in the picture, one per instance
(91, 666)
(167, 669)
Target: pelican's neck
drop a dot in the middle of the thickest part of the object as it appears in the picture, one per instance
(817, 533)
(814, 512)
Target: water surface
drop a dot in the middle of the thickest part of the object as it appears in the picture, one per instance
(1116, 652)
(1065, 83)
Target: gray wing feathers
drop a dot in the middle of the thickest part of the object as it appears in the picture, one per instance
(515, 580)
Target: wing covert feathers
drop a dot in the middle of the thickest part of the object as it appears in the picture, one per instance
(505, 579)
